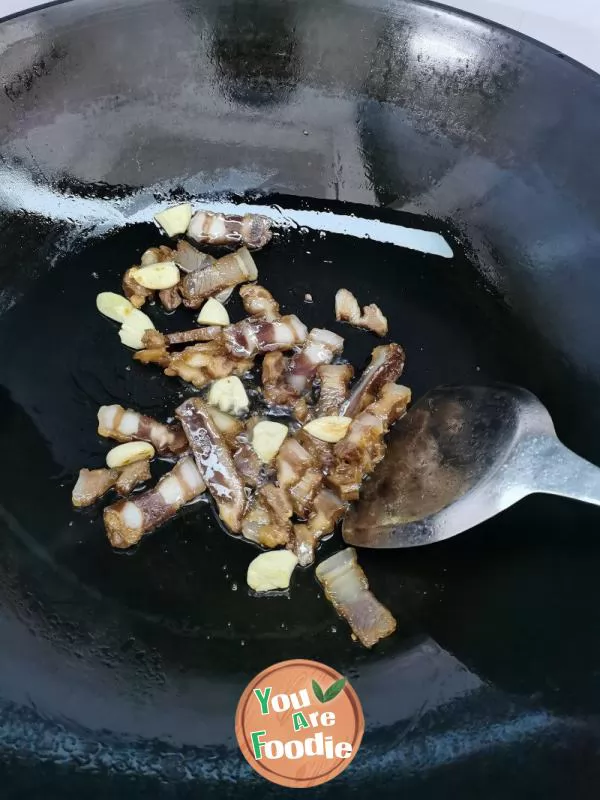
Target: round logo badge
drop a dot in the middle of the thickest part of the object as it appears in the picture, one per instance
(299, 723)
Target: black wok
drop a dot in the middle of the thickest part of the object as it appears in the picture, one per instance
(119, 676)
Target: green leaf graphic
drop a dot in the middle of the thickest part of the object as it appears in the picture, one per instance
(318, 691)
(334, 689)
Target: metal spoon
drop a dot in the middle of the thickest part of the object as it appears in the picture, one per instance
(461, 455)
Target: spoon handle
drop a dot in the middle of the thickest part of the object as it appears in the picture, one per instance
(560, 471)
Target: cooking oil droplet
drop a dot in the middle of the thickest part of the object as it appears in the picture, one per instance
(234, 587)
(333, 629)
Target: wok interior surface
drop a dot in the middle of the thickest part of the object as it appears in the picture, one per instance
(121, 673)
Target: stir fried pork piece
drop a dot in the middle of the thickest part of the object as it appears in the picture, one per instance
(275, 389)
(292, 462)
(334, 380)
(199, 364)
(348, 310)
(303, 492)
(131, 476)
(346, 307)
(245, 457)
(155, 355)
(126, 521)
(252, 336)
(387, 363)
(267, 521)
(214, 461)
(374, 320)
(228, 271)
(188, 259)
(125, 425)
(320, 348)
(320, 452)
(327, 511)
(91, 485)
(363, 447)
(259, 302)
(170, 298)
(347, 589)
(153, 339)
(251, 230)
(301, 411)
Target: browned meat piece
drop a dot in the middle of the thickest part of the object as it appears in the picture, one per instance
(333, 380)
(303, 492)
(155, 255)
(228, 271)
(363, 447)
(202, 363)
(188, 259)
(275, 389)
(214, 461)
(347, 589)
(247, 463)
(125, 425)
(267, 521)
(251, 230)
(92, 484)
(292, 462)
(134, 292)
(327, 511)
(154, 340)
(373, 320)
(155, 355)
(259, 302)
(320, 348)
(387, 363)
(348, 310)
(128, 520)
(301, 411)
(346, 307)
(131, 476)
(320, 452)
(170, 298)
(252, 336)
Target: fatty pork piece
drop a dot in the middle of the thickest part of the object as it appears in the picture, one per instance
(128, 520)
(386, 365)
(275, 390)
(251, 230)
(226, 272)
(347, 589)
(363, 447)
(153, 339)
(348, 310)
(199, 364)
(320, 348)
(214, 461)
(267, 520)
(252, 336)
(259, 302)
(327, 511)
(333, 388)
(92, 484)
(125, 425)
(189, 259)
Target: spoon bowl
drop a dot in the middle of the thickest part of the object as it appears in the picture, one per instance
(461, 455)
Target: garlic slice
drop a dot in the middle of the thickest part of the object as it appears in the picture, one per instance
(229, 395)
(128, 453)
(175, 220)
(267, 438)
(163, 275)
(328, 429)
(213, 313)
(271, 570)
(114, 306)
